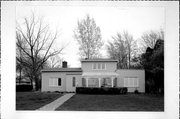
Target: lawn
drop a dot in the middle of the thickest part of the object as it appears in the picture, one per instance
(34, 100)
(129, 102)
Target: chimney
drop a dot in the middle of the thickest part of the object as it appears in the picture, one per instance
(64, 64)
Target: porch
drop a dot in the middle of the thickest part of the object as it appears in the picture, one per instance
(100, 79)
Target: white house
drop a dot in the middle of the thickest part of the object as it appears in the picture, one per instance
(93, 73)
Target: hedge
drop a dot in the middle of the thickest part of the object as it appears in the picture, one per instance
(104, 90)
(22, 88)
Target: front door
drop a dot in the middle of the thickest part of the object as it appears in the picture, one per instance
(71, 82)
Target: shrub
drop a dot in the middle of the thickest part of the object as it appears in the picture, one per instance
(103, 90)
(23, 88)
(136, 91)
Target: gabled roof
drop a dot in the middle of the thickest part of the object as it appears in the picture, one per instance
(99, 60)
(62, 70)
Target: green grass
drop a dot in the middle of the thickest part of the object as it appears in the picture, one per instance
(34, 100)
(129, 102)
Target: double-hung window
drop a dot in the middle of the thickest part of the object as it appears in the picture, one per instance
(55, 82)
(131, 82)
(98, 66)
(103, 66)
(94, 65)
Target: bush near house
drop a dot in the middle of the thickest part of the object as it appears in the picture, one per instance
(104, 90)
(23, 88)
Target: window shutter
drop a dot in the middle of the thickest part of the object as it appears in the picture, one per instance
(59, 81)
(83, 82)
(115, 82)
(74, 81)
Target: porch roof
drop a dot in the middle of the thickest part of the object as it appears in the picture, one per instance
(100, 74)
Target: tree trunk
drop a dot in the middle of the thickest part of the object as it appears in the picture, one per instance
(31, 82)
(36, 84)
(129, 58)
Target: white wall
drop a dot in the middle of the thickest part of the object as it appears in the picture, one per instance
(48, 75)
(140, 74)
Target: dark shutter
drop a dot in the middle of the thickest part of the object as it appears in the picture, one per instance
(59, 81)
(74, 81)
(115, 82)
(83, 82)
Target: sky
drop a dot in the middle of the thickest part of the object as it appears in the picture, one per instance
(135, 20)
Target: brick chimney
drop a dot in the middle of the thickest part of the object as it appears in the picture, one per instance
(64, 64)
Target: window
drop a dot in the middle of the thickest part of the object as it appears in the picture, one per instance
(94, 65)
(103, 65)
(93, 82)
(99, 66)
(131, 82)
(59, 81)
(55, 82)
(74, 81)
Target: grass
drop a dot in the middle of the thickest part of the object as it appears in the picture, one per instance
(129, 102)
(34, 100)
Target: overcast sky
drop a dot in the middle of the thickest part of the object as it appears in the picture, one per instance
(111, 20)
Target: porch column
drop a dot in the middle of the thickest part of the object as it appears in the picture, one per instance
(112, 83)
(99, 82)
(86, 82)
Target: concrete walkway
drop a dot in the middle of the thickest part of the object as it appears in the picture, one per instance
(55, 104)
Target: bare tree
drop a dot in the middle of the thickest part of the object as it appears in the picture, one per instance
(117, 50)
(34, 44)
(88, 36)
(148, 39)
(131, 46)
(122, 48)
(55, 61)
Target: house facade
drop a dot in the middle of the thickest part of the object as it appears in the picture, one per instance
(93, 73)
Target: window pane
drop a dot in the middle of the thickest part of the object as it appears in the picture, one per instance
(50, 82)
(99, 66)
(131, 82)
(93, 82)
(136, 82)
(126, 82)
(94, 65)
(59, 81)
(103, 65)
